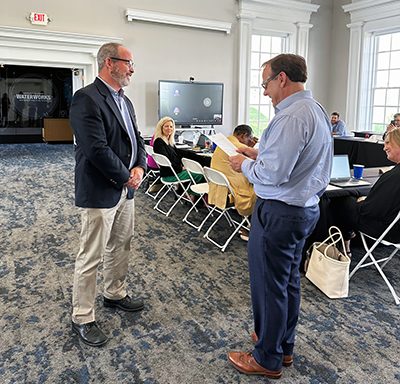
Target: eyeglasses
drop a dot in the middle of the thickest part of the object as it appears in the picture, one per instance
(130, 63)
(264, 84)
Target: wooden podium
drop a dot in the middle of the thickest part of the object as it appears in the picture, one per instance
(57, 130)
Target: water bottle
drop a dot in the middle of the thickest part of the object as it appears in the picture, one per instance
(195, 139)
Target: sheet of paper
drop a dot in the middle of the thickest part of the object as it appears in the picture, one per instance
(223, 143)
(332, 188)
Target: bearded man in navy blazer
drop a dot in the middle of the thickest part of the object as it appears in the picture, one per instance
(110, 163)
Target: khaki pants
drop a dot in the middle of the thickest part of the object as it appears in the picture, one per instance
(108, 233)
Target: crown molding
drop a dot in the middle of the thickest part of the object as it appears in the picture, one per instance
(66, 38)
(181, 21)
(370, 10)
(293, 11)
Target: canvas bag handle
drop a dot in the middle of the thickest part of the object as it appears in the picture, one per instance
(333, 240)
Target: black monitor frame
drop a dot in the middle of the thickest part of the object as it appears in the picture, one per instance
(191, 103)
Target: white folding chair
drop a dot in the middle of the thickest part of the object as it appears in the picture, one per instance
(384, 260)
(151, 172)
(171, 186)
(219, 178)
(200, 188)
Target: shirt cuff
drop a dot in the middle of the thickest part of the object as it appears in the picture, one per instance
(246, 167)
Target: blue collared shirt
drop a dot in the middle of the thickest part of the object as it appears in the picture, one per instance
(295, 153)
(339, 128)
(119, 100)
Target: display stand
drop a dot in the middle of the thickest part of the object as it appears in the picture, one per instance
(206, 130)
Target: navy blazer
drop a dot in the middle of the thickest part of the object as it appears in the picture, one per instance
(103, 147)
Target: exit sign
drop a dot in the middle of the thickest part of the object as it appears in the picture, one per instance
(39, 18)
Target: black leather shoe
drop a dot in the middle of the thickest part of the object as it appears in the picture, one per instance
(126, 304)
(90, 334)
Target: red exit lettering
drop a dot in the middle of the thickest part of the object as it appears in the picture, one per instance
(38, 17)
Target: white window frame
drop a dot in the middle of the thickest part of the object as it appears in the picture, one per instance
(269, 16)
(285, 43)
(368, 19)
(387, 117)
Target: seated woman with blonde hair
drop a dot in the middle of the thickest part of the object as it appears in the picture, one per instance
(373, 213)
(164, 144)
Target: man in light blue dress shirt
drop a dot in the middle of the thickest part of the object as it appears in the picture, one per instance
(289, 172)
(338, 126)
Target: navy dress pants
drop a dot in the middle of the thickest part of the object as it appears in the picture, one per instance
(277, 236)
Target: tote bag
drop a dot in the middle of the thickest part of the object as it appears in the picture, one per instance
(327, 267)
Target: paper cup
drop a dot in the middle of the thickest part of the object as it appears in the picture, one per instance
(358, 170)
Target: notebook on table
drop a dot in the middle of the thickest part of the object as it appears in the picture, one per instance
(341, 176)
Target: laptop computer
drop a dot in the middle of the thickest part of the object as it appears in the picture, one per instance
(341, 176)
(202, 141)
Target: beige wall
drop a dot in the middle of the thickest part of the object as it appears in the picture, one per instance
(339, 59)
(168, 52)
(160, 51)
(329, 55)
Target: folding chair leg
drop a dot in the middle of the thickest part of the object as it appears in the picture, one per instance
(376, 264)
(186, 220)
(210, 213)
(148, 189)
(361, 262)
(180, 197)
(241, 225)
(396, 298)
(161, 199)
(387, 259)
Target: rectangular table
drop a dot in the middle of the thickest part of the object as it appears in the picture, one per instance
(361, 151)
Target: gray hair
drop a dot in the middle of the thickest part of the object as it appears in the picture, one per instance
(294, 66)
(107, 50)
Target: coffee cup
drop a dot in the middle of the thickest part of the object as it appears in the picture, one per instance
(358, 170)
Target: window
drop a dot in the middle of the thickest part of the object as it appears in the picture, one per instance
(386, 83)
(261, 110)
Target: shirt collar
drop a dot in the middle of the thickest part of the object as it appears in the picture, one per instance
(112, 90)
(292, 98)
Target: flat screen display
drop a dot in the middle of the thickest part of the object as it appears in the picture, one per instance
(191, 103)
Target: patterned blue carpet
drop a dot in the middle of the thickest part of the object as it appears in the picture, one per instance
(197, 299)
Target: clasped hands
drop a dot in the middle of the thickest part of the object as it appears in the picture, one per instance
(243, 154)
(135, 178)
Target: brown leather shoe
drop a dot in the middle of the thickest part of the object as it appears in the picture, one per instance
(244, 362)
(287, 360)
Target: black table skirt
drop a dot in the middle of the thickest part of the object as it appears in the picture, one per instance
(361, 151)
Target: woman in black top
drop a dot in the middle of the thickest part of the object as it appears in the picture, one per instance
(164, 144)
(373, 213)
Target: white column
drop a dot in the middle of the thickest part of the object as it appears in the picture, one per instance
(354, 75)
(245, 32)
(303, 31)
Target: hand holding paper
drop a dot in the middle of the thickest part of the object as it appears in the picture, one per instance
(251, 153)
(224, 144)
